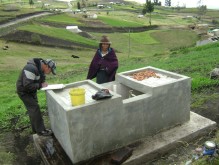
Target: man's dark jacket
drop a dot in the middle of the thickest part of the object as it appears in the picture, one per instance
(31, 77)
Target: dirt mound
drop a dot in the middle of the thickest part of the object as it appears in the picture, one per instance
(39, 39)
(21, 16)
(99, 27)
(117, 29)
(93, 23)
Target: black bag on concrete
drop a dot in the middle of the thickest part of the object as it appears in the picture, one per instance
(102, 94)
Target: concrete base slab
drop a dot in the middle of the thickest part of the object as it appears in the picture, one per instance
(144, 150)
(162, 142)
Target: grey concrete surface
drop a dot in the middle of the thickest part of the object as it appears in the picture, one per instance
(146, 149)
(136, 110)
(164, 141)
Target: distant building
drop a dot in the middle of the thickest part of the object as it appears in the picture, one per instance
(73, 29)
(202, 26)
(215, 32)
(140, 16)
(94, 16)
(100, 6)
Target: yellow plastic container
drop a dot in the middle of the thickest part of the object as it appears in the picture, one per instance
(77, 96)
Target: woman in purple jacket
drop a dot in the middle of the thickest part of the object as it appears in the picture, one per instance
(104, 64)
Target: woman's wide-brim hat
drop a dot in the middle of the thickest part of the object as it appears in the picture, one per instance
(105, 40)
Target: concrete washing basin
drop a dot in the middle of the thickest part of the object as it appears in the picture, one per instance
(136, 110)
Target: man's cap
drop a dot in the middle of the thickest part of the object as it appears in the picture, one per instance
(105, 39)
(52, 65)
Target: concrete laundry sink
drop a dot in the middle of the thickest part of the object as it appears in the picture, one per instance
(136, 110)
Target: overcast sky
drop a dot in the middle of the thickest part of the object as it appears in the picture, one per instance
(211, 4)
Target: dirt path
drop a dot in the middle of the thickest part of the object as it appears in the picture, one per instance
(18, 20)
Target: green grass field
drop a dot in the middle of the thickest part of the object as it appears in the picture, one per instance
(64, 18)
(57, 33)
(194, 63)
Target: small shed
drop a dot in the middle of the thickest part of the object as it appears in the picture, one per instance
(140, 16)
(73, 29)
(215, 32)
(94, 16)
(100, 6)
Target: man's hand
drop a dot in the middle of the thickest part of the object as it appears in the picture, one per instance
(45, 84)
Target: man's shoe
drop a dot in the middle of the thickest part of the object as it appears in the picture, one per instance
(46, 132)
